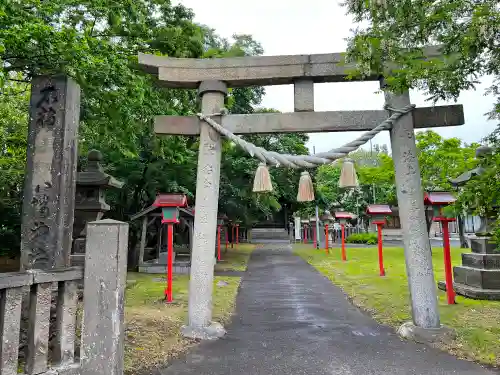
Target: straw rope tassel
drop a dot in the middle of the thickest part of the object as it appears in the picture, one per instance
(306, 189)
(262, 181)
(348, 177)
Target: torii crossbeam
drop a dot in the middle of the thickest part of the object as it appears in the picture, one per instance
(212, 77)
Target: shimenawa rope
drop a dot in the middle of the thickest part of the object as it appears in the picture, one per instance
(306, 161)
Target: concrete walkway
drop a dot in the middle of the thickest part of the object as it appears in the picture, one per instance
(292, 320)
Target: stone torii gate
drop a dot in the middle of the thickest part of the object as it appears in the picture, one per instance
(212, 77)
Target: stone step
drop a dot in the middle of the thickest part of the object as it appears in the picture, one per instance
(477, 277)
(269, 230)
(474, 292)
(484, 261)
(178, 268)
(264, 235)
(270, 234)
(269, 237)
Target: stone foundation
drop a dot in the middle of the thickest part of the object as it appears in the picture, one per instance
(479, 275)
(482, 245)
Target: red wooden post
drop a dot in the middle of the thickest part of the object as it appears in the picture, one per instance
(227, 235)
(380, 250)
(232, 235)
(344, 257)
(326, 239)
(170, 269)
(170, 204)
(438, 200)
(218, 242)
(237, 234)
(315, 240)
(450, 293)
(379, 213)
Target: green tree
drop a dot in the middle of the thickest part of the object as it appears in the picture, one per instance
(481, 194)
(376, 183)
(13, 120)
(469, 32)
(97, 44)
(442, 158)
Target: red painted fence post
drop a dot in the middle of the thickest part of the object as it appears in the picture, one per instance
(344, 257)
(218, 242)
(170, 256)
(226, 231)
(450, 292)
(380, 250)
(326, 239)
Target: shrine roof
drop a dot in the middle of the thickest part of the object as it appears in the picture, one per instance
(344, 215)
(378, 209)
(170, 200)
(183, 211)
(438, 198)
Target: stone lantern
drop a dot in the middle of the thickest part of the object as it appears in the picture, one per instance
(90, 201)
(327, 218)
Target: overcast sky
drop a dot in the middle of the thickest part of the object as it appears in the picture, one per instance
(321, 26)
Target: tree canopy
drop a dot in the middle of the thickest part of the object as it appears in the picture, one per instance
(469, 32)
(96, 43)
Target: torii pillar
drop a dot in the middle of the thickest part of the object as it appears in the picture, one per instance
(212, 95)
(212, 76)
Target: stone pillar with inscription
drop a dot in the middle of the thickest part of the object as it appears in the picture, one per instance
(90, 202)
(49, 190)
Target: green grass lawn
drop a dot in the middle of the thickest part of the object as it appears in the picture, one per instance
(477, 323)
(236, 258)
(152, 336)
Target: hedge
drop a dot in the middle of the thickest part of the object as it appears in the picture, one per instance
(364, 238)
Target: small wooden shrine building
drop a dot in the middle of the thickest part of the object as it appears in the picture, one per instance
(152, 254)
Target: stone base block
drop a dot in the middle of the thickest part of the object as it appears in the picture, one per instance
(477, 277)
(486, 261)
(442, 286)
(476, 293)
(425, 335)
(482, 245)
(212, 332)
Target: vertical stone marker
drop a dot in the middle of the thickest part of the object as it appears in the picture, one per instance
(49, 189)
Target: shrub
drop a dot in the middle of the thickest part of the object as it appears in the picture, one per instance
(364, 238)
